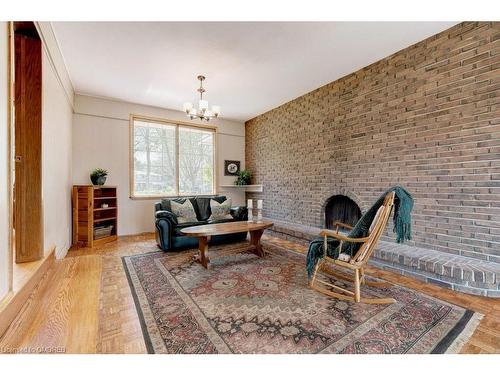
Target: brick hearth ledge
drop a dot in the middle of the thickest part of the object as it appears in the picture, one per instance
(450, 271)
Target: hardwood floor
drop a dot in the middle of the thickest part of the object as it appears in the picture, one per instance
(85, 305)
(26, 278)
(63, 312)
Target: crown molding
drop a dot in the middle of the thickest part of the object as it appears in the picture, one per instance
(56, 59)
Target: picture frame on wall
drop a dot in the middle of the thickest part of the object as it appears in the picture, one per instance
(231, 167)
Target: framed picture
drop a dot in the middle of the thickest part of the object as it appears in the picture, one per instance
(231, 167)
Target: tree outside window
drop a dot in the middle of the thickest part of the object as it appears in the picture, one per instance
(171, 159)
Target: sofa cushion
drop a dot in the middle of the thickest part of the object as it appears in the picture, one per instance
(202, 205)
(184, 211)
(165, 203)
(178, 228)
(239, 213)
(220, 211)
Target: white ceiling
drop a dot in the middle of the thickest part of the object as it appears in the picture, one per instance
(251, 67)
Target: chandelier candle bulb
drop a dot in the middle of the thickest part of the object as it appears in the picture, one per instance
(203, 104)
(187, 107)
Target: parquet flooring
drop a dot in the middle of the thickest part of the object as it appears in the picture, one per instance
(84, 305)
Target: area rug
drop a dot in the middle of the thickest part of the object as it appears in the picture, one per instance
(247, 304)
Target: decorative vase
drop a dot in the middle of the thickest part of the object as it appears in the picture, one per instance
(98, 180)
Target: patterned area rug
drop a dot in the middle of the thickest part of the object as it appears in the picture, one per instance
(246, 304)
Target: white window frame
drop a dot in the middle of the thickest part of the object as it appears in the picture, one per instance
(177, 124)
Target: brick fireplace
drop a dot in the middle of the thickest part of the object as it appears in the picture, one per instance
(426, 118)
(341, 208)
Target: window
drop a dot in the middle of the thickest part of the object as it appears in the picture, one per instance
(170, 159)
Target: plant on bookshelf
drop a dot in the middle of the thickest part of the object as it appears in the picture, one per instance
(98, 176)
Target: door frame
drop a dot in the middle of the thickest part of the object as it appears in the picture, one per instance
(28, 215)
(11, 146)
(10, 151)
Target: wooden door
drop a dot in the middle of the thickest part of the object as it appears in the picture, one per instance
(28, 221)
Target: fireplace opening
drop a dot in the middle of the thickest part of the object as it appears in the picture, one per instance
(341, 208)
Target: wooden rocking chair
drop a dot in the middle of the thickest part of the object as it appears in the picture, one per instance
(356, 263)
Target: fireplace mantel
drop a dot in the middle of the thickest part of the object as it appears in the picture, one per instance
(248, 188)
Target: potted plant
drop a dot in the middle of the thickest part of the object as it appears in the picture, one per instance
(98, 176)
(244, 177)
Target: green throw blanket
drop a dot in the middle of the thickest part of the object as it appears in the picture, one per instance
(403, 204)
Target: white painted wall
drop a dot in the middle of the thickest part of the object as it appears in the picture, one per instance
(4, 198)
(57, 117)
(101, 139)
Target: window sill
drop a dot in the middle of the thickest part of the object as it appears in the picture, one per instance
(139, 198)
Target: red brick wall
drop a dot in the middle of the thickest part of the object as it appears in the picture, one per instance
(427, 118)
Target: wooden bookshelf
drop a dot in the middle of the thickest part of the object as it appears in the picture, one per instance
(89, 215)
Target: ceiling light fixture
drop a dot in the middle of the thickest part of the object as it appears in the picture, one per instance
(203, 113)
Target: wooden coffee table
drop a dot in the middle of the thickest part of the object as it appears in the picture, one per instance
(204, 232)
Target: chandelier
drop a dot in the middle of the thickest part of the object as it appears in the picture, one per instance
(203, 113)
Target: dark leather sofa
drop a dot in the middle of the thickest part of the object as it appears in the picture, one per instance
(168, 230)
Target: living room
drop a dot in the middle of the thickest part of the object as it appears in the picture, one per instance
(250, 187)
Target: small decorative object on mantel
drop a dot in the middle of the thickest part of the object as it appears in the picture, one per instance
(244, 177)
(259, 211)
(98, 176)
(250, 210)
(231, 167)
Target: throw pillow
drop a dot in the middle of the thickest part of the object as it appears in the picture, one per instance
(184, 211)
(220, 211)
